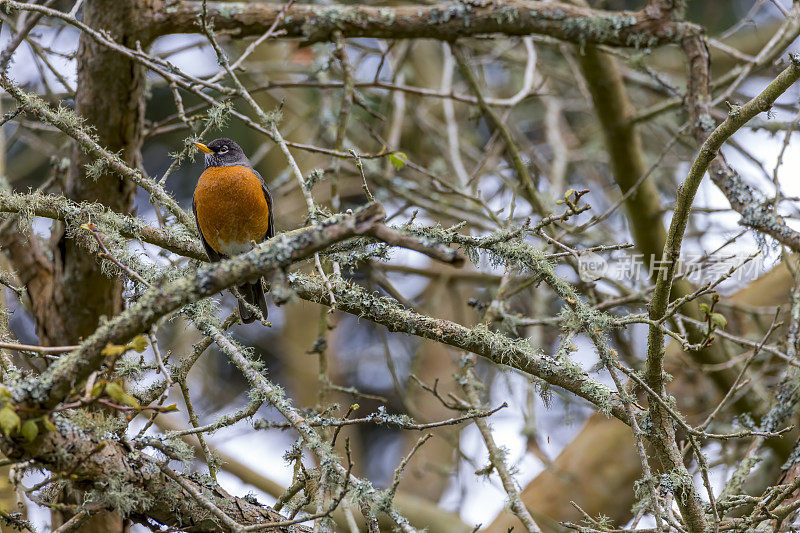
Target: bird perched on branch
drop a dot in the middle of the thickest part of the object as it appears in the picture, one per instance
(233, 209)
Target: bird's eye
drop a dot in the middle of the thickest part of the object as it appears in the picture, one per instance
(223, 150)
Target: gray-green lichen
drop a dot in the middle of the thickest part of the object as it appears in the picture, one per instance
(597, 28)
(118, 494)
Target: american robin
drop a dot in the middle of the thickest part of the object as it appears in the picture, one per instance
(233, 209)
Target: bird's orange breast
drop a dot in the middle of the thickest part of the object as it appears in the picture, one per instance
(231, 208)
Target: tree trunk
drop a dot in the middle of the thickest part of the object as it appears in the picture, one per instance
(110, 97)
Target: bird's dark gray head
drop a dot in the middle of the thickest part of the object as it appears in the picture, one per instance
(223, 153)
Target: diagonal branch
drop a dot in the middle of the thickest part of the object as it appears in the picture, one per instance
(76, 214)
(756, 212)
(68, 122)
(556, 370)
(692, 512)
(52, 386)
(686, 192)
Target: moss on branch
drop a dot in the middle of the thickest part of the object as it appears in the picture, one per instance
(68, 122)
(496, 347)
(131, 482)
(74, 214)
(53, 385)
(683, 204)
(450, 21)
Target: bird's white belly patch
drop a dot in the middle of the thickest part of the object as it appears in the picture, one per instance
(231, 248)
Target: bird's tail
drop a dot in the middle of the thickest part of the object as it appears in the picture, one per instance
(253, 293)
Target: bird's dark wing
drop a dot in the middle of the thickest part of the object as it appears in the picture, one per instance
(268, 196)
(212, 254)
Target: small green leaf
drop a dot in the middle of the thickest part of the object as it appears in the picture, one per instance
(705, 309)
(118, 394)
(97, 390)
(115, 391)
(139, 343)
(9, 420)
(5, 394)
(398, 160)
(131, 401)
(113, 350)
(169, 408)
(719, 320)
(29, 430)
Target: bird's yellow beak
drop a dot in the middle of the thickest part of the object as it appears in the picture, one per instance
(203, 148)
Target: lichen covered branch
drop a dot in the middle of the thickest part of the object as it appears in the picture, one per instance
(440, 21)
